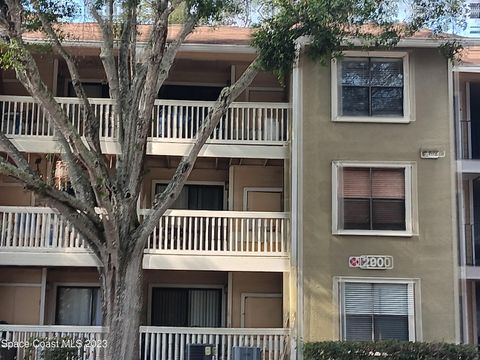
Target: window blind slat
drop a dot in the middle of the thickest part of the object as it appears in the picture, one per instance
(386, 72)
(373, 199)
(377, 311)
(390, 299)
(356, 183)
(388, 183)
(358, 298)
(356, 214)
(355, 72)
(391, 328)
(358, 328)
(388, 214)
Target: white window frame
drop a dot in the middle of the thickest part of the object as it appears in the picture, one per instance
(414, 317)
(407, 116)
(337, 191)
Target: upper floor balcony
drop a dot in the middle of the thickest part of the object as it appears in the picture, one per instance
(182, 240)
(248, 130)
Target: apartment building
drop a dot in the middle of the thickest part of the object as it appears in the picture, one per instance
(374, 195)
(217, 267)
(326, 210)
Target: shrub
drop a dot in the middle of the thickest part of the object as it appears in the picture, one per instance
(388, 350)
(64, 348)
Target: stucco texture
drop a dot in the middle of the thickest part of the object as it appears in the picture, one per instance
(428, 256)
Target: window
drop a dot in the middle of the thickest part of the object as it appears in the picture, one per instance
(197, 197)
(371, 89)
(78, 306)
(377, 310)
(186, 307)
(372, 199)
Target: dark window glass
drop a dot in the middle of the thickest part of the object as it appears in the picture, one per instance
(358, 327)
(355, 101)
(356, 214)
(186, 307)
(78, 306)
(184, 92)
(197, 197)
(371, 87)
(391, 327)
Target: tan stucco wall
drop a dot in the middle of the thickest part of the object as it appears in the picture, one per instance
(165, 174)
(430, 256)
(247, 282)
(20, 295)
(21, 305)
(66, 277)
(253, 176)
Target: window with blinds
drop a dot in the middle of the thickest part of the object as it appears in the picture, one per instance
(377, 311)
(372, 199)
(369, 86)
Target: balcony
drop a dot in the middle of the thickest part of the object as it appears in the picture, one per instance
(469, 147)
(248, 130)
(158, 343)
(182, 240)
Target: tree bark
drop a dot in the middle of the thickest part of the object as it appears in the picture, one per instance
(122, 308)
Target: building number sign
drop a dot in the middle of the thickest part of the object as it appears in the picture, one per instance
(371, 262)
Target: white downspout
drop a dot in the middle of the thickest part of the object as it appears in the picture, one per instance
(296, 205)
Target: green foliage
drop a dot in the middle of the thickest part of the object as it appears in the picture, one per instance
(55, 11)
(211, 12)
(451, 49)
(332, 25)
(63, 348)
(388, 350)
(10, 55)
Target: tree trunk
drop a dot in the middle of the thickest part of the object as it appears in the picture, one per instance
(122, 304)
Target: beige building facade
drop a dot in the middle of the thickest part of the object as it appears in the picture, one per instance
(375, 185)
(217, 266)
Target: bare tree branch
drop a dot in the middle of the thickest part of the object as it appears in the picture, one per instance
(161, 69)
(79, 180)
(35, 183)
(107, 53)
(164, 200)
(92, 122)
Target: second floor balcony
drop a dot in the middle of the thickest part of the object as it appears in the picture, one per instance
(182, 240)
(249, 129)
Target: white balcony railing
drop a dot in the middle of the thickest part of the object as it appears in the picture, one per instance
(178, 231)
(238, 232)
(29, 341)
(37, 228)
(172, 120)
(156, 343)
(164, 343)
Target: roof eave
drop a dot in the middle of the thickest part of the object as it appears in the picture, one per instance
(186, 47)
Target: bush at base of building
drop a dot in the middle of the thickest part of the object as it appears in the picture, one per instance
(388, 350)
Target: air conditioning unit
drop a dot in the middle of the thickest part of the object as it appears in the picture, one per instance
(246, 353)
(201, 352)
